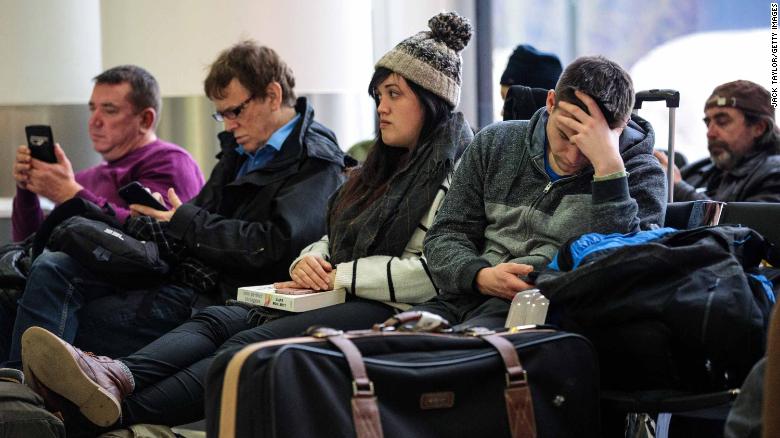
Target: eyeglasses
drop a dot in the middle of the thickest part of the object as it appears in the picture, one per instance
(231, 113)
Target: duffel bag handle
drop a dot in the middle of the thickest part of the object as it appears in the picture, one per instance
(365, 412)
(519, 404)
(423, 322)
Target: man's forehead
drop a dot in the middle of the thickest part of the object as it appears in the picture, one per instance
(115, 94)
(233, 94)
(714, 112)
(562, 112)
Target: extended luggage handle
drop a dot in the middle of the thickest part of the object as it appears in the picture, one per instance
(423, 322)
(365, 412)
(672, 99)
(519, 404)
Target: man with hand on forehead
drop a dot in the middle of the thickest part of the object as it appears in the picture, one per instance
(582, 164)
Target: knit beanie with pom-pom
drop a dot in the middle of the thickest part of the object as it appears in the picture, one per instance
(431, 59)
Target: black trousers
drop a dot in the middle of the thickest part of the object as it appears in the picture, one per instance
(472, 310)
(170, 372)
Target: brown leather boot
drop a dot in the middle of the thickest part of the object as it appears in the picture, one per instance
(96, 384)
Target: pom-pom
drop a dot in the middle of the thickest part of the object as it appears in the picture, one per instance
(451, 29)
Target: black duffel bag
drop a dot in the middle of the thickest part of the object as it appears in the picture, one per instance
(685, 311)
(536, 382)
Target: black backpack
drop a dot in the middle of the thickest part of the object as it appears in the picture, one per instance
(93, 235)
(684, 311)
(14, 267)
(72, 207)
(108, 251)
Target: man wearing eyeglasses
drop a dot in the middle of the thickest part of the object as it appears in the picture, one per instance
(265, 200)
(267, 196)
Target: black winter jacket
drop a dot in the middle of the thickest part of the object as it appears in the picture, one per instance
(756, 179)
(251, 228)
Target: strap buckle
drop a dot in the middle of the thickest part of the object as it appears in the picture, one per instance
(323, 332)
(361, 390)
(516, 379)
(478, 332)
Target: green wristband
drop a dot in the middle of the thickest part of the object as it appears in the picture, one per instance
(613, 175)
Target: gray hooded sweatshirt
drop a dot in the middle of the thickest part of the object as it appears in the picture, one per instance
(502, 206)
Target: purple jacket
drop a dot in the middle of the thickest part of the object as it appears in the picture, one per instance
(158, 166)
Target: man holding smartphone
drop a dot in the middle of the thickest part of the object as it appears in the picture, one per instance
(125, 108)
(265, 200)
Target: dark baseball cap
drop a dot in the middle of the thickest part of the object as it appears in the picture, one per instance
(744, 95)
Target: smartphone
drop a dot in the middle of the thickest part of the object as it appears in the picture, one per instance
(135, 193)
(41, 142)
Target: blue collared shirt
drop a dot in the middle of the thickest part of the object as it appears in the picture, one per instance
(547, 168)
(263, 156)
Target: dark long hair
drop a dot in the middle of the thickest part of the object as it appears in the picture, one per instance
(770, 139)
(369, 182)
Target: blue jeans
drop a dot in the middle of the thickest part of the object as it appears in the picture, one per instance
(7, 316)
(92, 313)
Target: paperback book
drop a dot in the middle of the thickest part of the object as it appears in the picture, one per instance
(291, 300)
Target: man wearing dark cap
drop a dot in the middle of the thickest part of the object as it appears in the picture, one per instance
(744, 145)
(532, 68)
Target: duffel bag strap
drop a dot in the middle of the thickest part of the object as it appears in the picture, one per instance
(365, 412)
(519, 404)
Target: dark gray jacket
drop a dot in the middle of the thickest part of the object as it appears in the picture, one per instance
(251, 228)
(756, 178)
(502, 206)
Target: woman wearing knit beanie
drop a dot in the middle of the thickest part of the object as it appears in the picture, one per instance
(376, 225)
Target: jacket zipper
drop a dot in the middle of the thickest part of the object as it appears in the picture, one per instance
(544, 192)
(706, 319)
(524, 218)
(550, 185)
